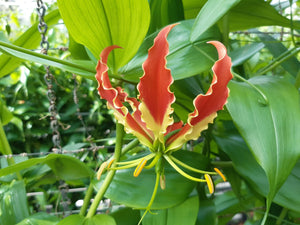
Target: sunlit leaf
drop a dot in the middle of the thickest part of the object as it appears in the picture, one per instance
(98, 24)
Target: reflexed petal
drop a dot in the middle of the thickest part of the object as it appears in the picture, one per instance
(154, 87)
(116, 97)
(206, 106)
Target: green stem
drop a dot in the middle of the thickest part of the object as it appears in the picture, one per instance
(109, 177)
(6, 150)
(276, 62)
(152, 197)
(281, 216)
(87, 199)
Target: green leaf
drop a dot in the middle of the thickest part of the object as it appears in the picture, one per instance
(81, 67)
(210, 13)
(40, 218)
(13, 203)
(164, 12)
(99, 24)
(30, 39)
(126, 216)
(72, 220)
(291, 65)
(207, 213)
(5, 115)
(242, 54)
(102, 219)
(245, 164)
(136, 192)
(66, 167)
(270, 129)
(185, 213)
(256, 13)
(185, 59)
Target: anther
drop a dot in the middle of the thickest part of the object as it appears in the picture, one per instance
(109, 164)
(221, 174)
(209, 183)
(100, 171)
(139, 167)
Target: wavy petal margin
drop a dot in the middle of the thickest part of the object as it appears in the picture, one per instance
(154, 87)
(116, 97)
(206, 106)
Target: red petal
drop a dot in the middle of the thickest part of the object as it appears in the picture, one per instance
(206, 106)
(154, 87)
(116, 97)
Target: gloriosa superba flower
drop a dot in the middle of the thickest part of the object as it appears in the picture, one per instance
(149, 118)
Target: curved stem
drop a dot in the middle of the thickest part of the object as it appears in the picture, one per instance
(254, 87)
(109, 177)
(152, 197)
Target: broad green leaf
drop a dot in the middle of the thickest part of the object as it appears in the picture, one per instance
(40, 218)
(136, 191)
(126, 216)
(72, 220)
(291, 65)
(207, 213)
(210, 13)
(184, 213)
(164, 12)
(13, 203)
(102, 219)
(256, 13)
(30, 39)
(271, 129)
(81, 67)
(245, 164)
(100, 23)
(65, 167)
(77, 50)
(185, 59)
(242, 54)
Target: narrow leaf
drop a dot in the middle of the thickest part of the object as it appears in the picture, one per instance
(30, 39)
(211, 12)
(81, 67)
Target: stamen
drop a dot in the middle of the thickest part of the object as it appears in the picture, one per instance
(182, 172)
(109, 164)
(221, 174)
(210, 184)
(100, 171)
(139, 167)
(189, 167)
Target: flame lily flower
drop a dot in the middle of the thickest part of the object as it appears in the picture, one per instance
(149, 115)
